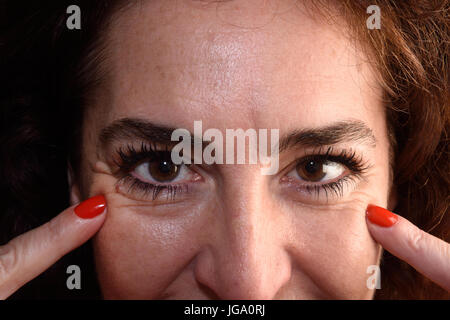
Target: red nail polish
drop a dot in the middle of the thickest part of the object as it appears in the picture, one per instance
(91, 207)
(380, 216)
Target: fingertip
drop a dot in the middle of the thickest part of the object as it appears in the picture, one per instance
(380, 216)
(91, 207)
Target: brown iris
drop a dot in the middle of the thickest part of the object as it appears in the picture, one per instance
(163, 170)
(311, 170)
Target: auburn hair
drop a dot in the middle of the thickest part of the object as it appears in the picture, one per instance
(411, 52)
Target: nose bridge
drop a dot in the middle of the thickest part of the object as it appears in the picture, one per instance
(244, 191)
(248, 258)
(244, 225)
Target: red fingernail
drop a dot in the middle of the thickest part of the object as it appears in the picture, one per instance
(91, 207)
(381, 216)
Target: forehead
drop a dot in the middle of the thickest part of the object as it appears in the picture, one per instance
(235, 64)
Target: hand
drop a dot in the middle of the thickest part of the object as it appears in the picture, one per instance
(427, 254)
(31, 253)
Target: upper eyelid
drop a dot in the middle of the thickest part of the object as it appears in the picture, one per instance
(143, 152)
(160, 183)
(330, 152)
(144, 149)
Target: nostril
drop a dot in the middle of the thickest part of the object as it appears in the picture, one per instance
(205, 273)
(209, 293)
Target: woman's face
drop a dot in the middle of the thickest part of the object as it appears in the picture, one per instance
(225, 230)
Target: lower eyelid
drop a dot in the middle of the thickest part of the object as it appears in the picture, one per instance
(136, 189)
(319, 192)
(132, 189)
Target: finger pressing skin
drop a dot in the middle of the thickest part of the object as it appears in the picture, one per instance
(426, 253)
(31, 253)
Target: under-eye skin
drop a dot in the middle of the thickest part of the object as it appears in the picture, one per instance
(324, 176)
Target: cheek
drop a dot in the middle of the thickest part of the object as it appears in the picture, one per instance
(138, 255)
(334, 249)
(141, 249)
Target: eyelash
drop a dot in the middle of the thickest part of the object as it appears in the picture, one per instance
(348, 158)
(130, 158)
(136, 185)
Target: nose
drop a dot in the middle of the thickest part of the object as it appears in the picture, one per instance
(246, 257)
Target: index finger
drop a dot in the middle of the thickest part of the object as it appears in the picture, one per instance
(426, 253)
(31, 253)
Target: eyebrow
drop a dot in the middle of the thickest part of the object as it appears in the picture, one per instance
(133, 128)
(339, 132)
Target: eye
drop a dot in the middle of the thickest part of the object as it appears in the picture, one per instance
(148, 173)
(317, 170)
(160, 171)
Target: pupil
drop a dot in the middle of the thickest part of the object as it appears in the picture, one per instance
(165, 167)
(311, 170)
(163, 170)
(312, 167)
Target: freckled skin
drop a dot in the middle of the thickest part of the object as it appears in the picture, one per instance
(239, 234)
